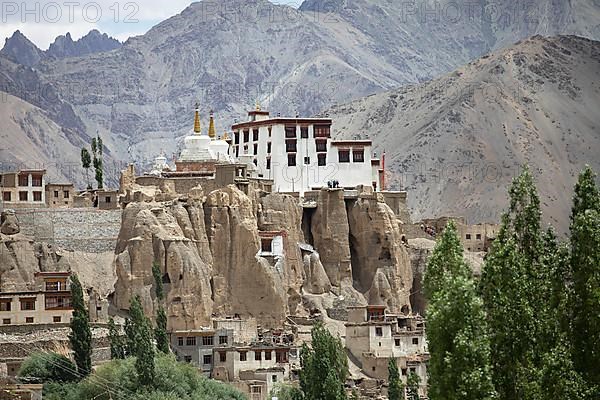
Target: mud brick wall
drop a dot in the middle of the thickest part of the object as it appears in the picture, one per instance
(78, 229)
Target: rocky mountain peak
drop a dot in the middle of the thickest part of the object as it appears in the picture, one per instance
(20, 49)
(93, 42)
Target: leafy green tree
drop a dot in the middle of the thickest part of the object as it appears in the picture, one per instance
(130, 344)
(117, 380)
(97, 147)
(395, 386)
(459, 368)
(81, 334)
(511, 284)
(158, 284)
(412, 386)
(584, 301)
(48, 367)
(286, 392)
(117, 342)
(141, 339)
(160, 333)
(86, 162)
(446, 259)
(324, 367)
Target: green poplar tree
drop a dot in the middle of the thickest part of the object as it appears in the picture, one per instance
(459, 367)
(117, 344)
(412, 386)
(158, 284)
(324, 367)
(584, 301)
(511, 287)
(97, 146)
(86, 162)
(160, 332)
(395, 386)
(141, 342)
(81, 334)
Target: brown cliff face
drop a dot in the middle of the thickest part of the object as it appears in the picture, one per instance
(170, 236)
(243, 283)
(210, 252)
(380, 263)
(330, 232)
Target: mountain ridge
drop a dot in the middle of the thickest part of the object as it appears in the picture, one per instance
(19, 49)
(455, 142)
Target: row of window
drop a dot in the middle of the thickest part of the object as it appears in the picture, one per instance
(279, 357)
(26, 304)
(320, 131)
(30, 320)
(52, 303)
(23, 196)
(206, 340)
(65, 194)
(36, 180)
(477, 236)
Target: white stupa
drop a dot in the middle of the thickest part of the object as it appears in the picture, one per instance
(160, 165)
(218, 146)
(196, 145)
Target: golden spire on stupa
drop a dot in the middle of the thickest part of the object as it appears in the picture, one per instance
(211, 127)
(225, 136)
(257, 106)
(197, 120)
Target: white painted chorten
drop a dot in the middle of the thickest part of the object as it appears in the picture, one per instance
(196, 145)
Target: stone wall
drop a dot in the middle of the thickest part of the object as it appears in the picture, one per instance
(76, 229)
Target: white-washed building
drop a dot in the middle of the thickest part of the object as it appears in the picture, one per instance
(299, 154)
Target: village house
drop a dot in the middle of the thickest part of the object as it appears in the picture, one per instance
(234, 351)
(23, 189)
(373, 336)
(59, 195)
(49, 304)
(473, 237)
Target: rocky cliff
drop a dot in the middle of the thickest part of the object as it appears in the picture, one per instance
(209, 250)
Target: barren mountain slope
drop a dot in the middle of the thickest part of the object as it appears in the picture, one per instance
(455, 142)
(293, 61)
(30, 139)
(228, 55)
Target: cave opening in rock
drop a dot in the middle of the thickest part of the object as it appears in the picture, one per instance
(307, 216)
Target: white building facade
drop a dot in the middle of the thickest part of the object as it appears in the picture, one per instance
(298, 154)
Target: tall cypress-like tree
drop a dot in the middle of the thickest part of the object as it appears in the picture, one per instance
(117, 343)
(511, 286)
(324, 367)
(81, 334)
(140, 339)
(86, 162)
(412, 386)
(158, 284)
(395, 386)
(584, 299)
(160, 332)
(459, 368)
(97, 149)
